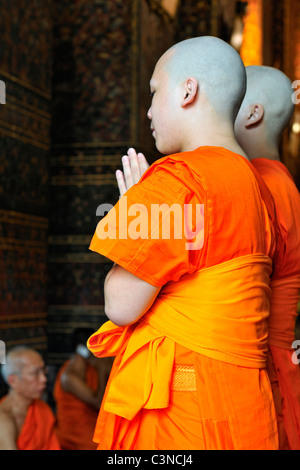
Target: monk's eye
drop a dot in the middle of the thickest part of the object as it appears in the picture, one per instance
(151, 94)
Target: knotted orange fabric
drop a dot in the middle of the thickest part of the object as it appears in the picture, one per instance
(37, 432)
(191, 373)
(285, 284)
(75, 420)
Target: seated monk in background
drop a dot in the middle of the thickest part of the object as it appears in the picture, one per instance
(189, 314)
(78, 392)
(265, 112)
(26, 422)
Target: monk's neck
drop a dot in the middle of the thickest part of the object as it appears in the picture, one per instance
(214, 137)
(18, 404)
(268, 152)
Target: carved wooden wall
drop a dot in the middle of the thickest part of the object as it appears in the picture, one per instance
(25, 119)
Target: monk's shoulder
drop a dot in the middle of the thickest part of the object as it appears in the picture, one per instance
(5, 408)
(8, 428)
(6, 418)
(76, 366)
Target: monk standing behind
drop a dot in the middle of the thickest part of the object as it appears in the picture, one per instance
(26, 422)
(265, 112)
(189, 311)
(78, 392)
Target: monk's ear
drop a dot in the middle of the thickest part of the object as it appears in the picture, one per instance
(190, 91)
(255, 115)
(11, 380)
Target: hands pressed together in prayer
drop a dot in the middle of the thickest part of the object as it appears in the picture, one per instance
(134, 166)
(134, 296)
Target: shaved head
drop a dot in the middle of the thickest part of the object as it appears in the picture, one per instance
(216, 66)
(272, 89)
(197, 87)
(16, 360)
(24, 373)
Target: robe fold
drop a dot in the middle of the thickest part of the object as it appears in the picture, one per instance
(37, 432)
(191, 372)
(285, 284)
(75, 419)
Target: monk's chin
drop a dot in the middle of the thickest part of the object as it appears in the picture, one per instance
(39, 393)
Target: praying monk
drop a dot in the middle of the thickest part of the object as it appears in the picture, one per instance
(26, 422)
(265, 112)
(188, 308)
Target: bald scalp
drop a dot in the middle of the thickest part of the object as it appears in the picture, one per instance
(272, 89)
(217, 67)
(16, 359)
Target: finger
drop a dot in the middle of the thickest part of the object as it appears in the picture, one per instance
(134, 164)
(121, 182)
(143, 164)
(127, 171)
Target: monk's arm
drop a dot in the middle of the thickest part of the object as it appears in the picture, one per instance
(8, 433)
(73, 381)
(127, 297)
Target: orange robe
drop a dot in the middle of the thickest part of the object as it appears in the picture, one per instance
(191, 373)
(285, 284)
(75, 419)
(37, 432)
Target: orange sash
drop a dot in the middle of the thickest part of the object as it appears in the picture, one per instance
(228, 324)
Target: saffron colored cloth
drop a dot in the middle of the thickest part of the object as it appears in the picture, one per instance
(191, 373)
(285, 284)
(37, 432)
(75, 419)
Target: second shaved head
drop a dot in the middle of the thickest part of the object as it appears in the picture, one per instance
(272, 89)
